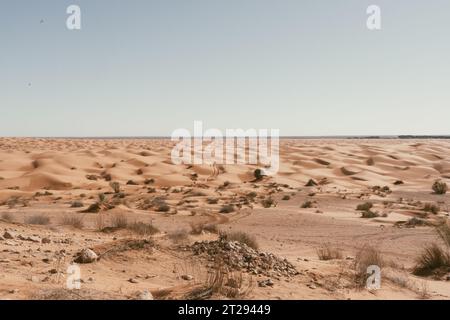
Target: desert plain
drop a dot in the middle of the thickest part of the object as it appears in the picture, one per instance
(138, 226)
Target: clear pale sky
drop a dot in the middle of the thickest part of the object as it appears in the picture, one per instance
(146, 68)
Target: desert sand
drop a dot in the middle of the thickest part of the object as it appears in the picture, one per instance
(60, 196)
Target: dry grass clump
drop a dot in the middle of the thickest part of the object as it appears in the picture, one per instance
(142, 228)
(199, 228)
(444, 233)
(119, 221)
(364, 206)
(241, 237)
(115, 186)
(227, 208)
(439, 187)
(369, 214)
(432, 258)
(37, 219)
(220, 281)
(365, 257)
(268, 202)
(307, 204)
(430, 207)
(179, 235)
(73, 220)
(76, 204)
(328, 252)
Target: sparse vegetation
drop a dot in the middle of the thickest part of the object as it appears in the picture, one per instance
(241, 237)
(76, 204)
(364, 206)
(307, 204)
(38, 219)
(328, 252)
(430, 207)
(179, 235)
(115, 186)
(286, 197)
(227, 208)
(439, 187)
(119, 221)
(268, 202)
(198, 228)
(432, 258)
(75, 221)
(143, 229)
(365, 257)
(369, 214)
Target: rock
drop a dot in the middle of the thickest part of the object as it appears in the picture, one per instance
(1, 238)
(187, 277)
(312, 286)
(145, 295)
(53, 271)
(86, 256)
(9, 235)
(5, 260)
(12, 291)
(132, 280)
(30, 238)
(46, 240)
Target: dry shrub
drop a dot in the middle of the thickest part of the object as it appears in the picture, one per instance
(228, 208)
(38, 219)
(439, 187)
(119, 221)
(115, 186)
(369, 214)
(223, 282)
(444, 233)
(73, 220)
(433, 208)
(142, 228)
(198, 228)
(433, 258)
(307, 204)
(328, 252)
(365, 257)
(179, 235)
(241, 237)
(76, 204)
(268, 202)
(364, 206)
(100, 221)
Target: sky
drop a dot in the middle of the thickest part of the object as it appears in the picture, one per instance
(147, 67)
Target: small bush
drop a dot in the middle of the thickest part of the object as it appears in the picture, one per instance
(268, 202)
(307, 204)
(162, 207)
(286, 197)
(115, 186)
(364, 206)
(37, 220)
(241, 237)
(328, 252)
(414, 222)
(74, 221)
(369, 214)
(76, 204)
(439, 187)
(227, 208)
(432, 258)
(429, 207)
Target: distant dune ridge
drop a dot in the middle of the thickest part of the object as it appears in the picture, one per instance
(28, 165)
